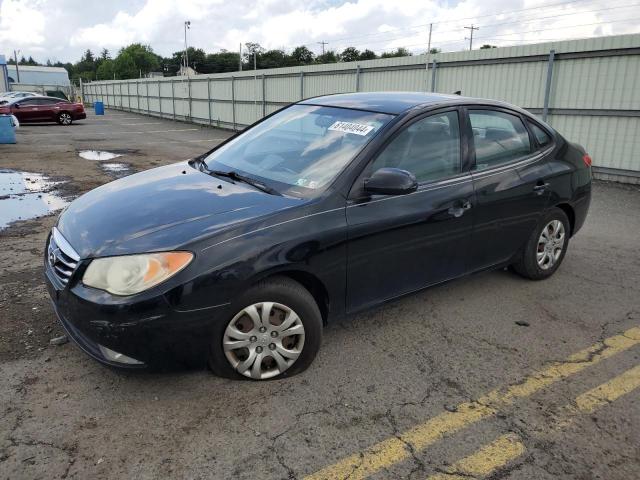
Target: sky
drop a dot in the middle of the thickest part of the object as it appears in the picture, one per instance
(60, 30)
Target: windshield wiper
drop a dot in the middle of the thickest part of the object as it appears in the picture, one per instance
(233, 175)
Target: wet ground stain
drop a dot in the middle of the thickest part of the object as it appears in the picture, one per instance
(25, 195)
(116, 169)
(98, 155)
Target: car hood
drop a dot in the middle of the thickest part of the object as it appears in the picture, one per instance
(161, 209)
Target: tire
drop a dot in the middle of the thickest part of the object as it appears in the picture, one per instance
(285, 300)
(64, 118)
(539, 260)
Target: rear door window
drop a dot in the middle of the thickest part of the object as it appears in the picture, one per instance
(542, 137)
(498, 137)
(30, 102)
(48, 101)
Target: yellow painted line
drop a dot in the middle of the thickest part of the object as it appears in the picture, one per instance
(393, 450)
(486, 460)
(609, 391)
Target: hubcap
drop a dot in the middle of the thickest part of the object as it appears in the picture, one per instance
(263, 340)
(66, 118)
(550, 244)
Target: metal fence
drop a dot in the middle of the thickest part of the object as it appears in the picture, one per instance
(589, 90)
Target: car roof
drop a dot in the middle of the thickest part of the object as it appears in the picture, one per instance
(392, 102)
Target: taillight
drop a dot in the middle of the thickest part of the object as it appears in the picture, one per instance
(586, 159)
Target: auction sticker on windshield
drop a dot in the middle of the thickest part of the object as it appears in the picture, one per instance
(348, 127)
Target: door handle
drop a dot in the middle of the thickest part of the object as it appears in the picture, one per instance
(540, 188)
(458, 210)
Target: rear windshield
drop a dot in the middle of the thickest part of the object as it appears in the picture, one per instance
(301, 149)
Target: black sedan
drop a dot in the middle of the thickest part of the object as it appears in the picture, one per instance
(322, 209)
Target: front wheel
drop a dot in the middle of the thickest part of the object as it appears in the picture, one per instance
(546, 248)
(275, 332)
(64, 118)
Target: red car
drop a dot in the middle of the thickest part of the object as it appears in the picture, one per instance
(44, 109)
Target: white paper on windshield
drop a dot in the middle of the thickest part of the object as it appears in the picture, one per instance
(348, 127)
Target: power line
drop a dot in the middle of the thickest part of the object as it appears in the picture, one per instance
(494, 37)
(462, 19)
(509, 23)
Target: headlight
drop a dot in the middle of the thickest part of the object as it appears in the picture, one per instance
(130, 274)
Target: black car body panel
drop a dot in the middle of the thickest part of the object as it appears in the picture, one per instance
(350, 249)
(161, 209)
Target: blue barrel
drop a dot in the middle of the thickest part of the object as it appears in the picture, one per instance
(7, 130)
(99, 106)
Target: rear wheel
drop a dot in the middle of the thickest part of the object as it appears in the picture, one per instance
(275, 332)
(64, 118)
(546, 247)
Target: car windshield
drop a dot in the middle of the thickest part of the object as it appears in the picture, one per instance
(301, 149)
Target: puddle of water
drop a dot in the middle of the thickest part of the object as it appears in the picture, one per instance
(116, 169)
(98, 155)
(25, 195)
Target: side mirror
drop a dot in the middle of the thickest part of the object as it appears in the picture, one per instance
(16, 105)
(391, 181)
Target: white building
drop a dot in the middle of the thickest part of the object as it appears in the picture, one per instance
(38, 76)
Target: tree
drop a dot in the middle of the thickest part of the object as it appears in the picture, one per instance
(104, 54)
(88, 56)
(142, 56)
(105, 70)
(85, 68)
(329, 57)
(368, 55)
(487, 46)
(435, 50)
(350, 54)
(302, 56)
(250, 48)
(125, 66)
(398, 52)
(223, 61)
(273, 59)
(197, 61)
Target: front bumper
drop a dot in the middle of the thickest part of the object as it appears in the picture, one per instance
(148, 330)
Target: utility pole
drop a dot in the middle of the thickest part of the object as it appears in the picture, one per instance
(187, 26)
(323, 43)
(240, 58)
(15, 56)
(426, 64)
(255, 80)
(472, 28)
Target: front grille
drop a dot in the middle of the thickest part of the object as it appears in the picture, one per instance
(61, 257)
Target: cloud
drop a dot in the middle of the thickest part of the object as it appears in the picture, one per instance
(21, 23)
(146, 25)
(34, 25)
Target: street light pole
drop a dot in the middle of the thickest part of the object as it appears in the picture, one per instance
(15, 56)
(187, 25)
